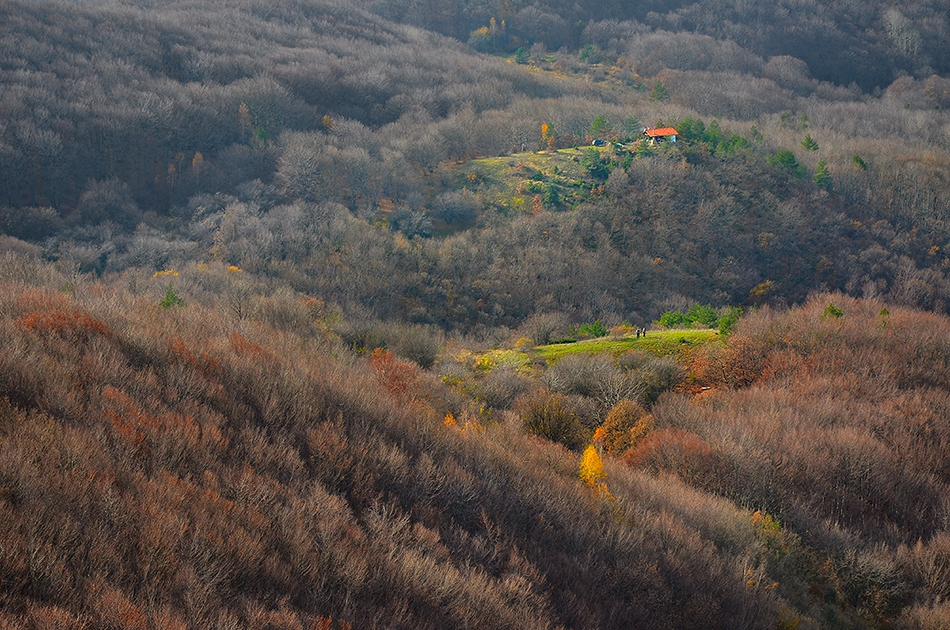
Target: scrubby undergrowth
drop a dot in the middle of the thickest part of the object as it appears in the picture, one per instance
(182, 467)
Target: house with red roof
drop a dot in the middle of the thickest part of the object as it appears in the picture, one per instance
(658, 135)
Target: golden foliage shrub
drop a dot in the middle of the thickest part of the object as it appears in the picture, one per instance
(625, 424)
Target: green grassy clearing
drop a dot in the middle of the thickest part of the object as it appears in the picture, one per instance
(674, 343)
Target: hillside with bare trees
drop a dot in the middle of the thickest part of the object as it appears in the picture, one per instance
(171, 465)
(347, 314)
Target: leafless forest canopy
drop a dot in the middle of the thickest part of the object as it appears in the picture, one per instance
(278, 137)
(245, 247)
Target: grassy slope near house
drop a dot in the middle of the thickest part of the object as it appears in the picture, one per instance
(512, 182)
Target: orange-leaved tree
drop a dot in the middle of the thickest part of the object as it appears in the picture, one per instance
(398, 377)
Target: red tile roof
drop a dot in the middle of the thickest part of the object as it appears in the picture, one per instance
(661, 133)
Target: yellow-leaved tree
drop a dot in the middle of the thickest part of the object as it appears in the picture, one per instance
(592, 472)
(592, 467)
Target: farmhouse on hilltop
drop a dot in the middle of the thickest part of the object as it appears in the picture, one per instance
(656, 136)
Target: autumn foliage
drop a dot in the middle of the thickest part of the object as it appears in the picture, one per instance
(833, 417)
(398, 377)
(592, 467)
(625, 424)
(674, 450)
(72, 325)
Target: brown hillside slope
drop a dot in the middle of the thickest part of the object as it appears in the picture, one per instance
(174, 468)
(834, 417)
(179, 468)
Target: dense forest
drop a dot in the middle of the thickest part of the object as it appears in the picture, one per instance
(276, 280)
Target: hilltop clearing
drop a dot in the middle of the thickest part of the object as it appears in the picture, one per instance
(533, 181)
(670, 343)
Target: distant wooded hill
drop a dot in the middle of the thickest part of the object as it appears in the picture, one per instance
(868, 44)
(325, 147)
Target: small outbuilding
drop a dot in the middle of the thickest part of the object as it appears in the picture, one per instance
(658, 135)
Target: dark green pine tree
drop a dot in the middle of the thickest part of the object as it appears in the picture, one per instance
(659, 92)
(822, 176)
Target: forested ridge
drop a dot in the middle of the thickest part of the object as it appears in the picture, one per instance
(844, 42)
(278, 282)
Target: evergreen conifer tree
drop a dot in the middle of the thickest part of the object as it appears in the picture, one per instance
(659, 92)
(822, 176)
